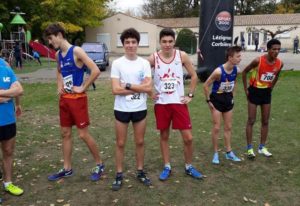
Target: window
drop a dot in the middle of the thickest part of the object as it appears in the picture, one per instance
(144, 40)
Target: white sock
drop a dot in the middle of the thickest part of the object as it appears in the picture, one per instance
(6, 183)
(168, 165)
(187, 166)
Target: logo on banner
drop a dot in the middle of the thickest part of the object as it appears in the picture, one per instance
(223, 21)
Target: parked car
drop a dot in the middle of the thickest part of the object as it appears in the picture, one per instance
(98, 52)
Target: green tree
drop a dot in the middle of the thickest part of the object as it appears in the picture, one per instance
(171, 8)
(73, 14)
(186, 41)
(247, 7)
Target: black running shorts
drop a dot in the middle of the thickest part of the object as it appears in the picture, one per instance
(126, 117)
(259, 96)
(222, 102)
(8, 131)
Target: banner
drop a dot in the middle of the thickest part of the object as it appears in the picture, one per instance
(215, 34)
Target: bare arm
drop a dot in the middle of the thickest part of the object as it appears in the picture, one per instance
(18, 106)
(83, 59)
(15, 90)
(59, 79)
(252, 65)
(276, 78)
(191, 71)
(118, 88)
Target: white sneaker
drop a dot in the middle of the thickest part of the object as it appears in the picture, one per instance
(265, 152)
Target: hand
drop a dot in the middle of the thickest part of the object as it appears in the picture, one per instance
(211, 106)
(186, 99)
(60, 91)
(78, 90)
(18, 110)
(154, 97)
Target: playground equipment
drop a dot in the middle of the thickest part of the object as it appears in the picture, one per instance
(23, 39)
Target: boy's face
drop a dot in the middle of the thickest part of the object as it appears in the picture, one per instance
(167, 43)
(236, 58)
(130, 46)
(274, 50)
(54, 40)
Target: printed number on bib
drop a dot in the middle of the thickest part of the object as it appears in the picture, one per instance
(169, 85)
(133, 97)
(268, 77)
(68, 82)
(227, 86)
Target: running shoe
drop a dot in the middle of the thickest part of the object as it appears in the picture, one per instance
(264, 151)
(231, 156)
(13, 189)
(250, 153)
(191, 171)
(216, 160)
(97, 172)
(165, 174)
(141, 175)
(117, 184)
(60, 174)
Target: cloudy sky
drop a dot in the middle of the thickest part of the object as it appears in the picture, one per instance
(123, 5)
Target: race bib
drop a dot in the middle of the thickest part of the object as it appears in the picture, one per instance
(134, 97)
(226, 86)
(268, 77)
(68, 82)
(169, 85)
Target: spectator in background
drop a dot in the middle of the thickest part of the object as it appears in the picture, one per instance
(243, 42)
(296, 45)
(235, 41)
(18, 56)
(256, 42)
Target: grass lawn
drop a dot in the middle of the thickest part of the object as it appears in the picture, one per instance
(32, 66)
(264, 181)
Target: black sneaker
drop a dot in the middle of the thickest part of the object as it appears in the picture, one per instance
(141, 175)
(117, 184)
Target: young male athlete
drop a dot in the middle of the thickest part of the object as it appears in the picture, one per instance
(170, 101)
(73, 105)
(220, 100)
(131, 80)
(264, 75)
(10, 88)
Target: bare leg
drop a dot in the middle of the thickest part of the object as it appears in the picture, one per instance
(250, 122)
(164, 145)
(216, 120)
(66, 133)
(227, 116)
(188, 145)
(121, 136)
(265, 115)
(7, 152)
(139, 133)
(91, 143)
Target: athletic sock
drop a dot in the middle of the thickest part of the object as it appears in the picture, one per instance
(187, 166)
(119, 174)
(6, 184)
(261, 146)
(249, 146)
(168, 165)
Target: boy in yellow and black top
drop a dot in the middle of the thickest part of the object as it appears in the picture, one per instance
(264, 75)
(220, 101)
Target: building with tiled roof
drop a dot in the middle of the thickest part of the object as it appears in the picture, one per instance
(111, 28)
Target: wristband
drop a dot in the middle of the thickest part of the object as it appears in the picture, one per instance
(208, 100)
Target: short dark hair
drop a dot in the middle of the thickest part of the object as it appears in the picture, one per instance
(230, 51)
(54, 29)
(130, 33)
(273, 42)
(166, 32)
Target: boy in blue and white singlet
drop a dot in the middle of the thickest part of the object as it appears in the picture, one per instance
(73, 105)
(220, 100)
(9, 88)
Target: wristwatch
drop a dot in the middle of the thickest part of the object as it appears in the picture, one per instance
(127, 86)
(190, 95)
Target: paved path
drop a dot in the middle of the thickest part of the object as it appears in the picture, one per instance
(291, 62)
